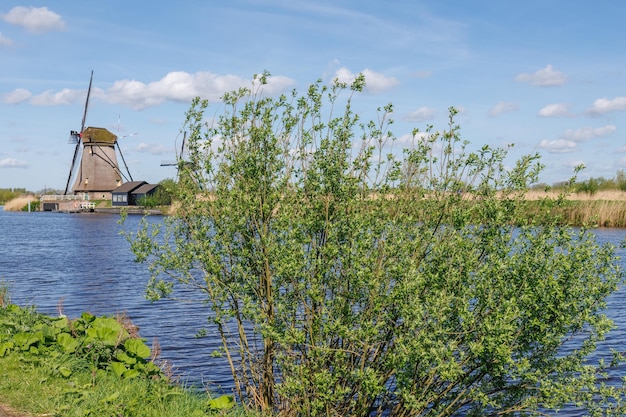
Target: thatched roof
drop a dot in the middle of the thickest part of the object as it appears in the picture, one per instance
(98, 136)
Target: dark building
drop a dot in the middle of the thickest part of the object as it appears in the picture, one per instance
(129, 193)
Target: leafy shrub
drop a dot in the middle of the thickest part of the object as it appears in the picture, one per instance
(100, 343)
(347, 280)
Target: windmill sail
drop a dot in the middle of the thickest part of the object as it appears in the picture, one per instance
(75, 136)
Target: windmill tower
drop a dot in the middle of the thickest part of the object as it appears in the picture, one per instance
(94, 168)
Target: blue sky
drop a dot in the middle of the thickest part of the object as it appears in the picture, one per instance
(546, 75)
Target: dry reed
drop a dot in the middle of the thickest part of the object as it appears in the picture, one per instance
(18, 203)
(600, 209)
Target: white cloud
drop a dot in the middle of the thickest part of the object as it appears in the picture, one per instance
(183, 87)
(65, 96)
(17, 96)
(587, 133)
(503, 107)
(545, 77)
(422, 114)
(554, 110)
(12, 163)
(4, 41)
(569, 140)
(605, 105)
(34, 19)
(175, 86)
(558, 146)
(375, 82)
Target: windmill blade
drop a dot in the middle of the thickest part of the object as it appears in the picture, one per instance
(119, 148)
(78, 142)
(69, 177)
(82, 125)
(182, 148)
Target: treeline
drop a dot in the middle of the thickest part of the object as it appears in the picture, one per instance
(7, 194)
(590, 186)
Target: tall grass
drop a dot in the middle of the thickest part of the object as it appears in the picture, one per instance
(18, 204)
(605, 195)
(4, 293)
(601, 213)
(596, 213)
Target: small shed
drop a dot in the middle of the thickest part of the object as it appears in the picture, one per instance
(142, 192)
(122, 195)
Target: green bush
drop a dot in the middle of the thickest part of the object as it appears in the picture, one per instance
(347, 280)
(161, 197)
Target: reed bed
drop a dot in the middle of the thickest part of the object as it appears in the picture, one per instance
(600, 213)
(601, 209)
(608, 195)
(17, 204)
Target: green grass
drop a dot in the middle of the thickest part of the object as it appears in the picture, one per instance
(44, 376)
(31, 388)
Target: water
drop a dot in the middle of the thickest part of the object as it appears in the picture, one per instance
(80, 262)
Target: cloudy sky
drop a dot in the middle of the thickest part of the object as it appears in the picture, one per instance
(546, 75)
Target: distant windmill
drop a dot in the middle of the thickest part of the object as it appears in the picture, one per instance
(94, 166)
(185, 169)
(179, 157)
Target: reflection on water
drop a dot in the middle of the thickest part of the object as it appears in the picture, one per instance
(82, 262)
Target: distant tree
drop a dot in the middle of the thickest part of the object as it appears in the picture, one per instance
(344, 280)
(162, 195)
(7, 194)
(590, 186)
(164, 192)
(620, 180)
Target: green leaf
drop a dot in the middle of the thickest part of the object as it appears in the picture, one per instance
(67, 343)
(118, 368)
(137, 348)
(123, 357)
(65, 371)
(131, 373)
(6, 347)
(24, 340)
(225, 402)
(106, 330)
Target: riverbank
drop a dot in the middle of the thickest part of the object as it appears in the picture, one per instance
(54, 366)
(600, 209)
(22, 204)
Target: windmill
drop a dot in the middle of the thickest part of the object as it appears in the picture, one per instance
(185, 168)
(179, 157)
(94, 168)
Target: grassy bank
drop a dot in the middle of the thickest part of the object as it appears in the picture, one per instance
(89, 366)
